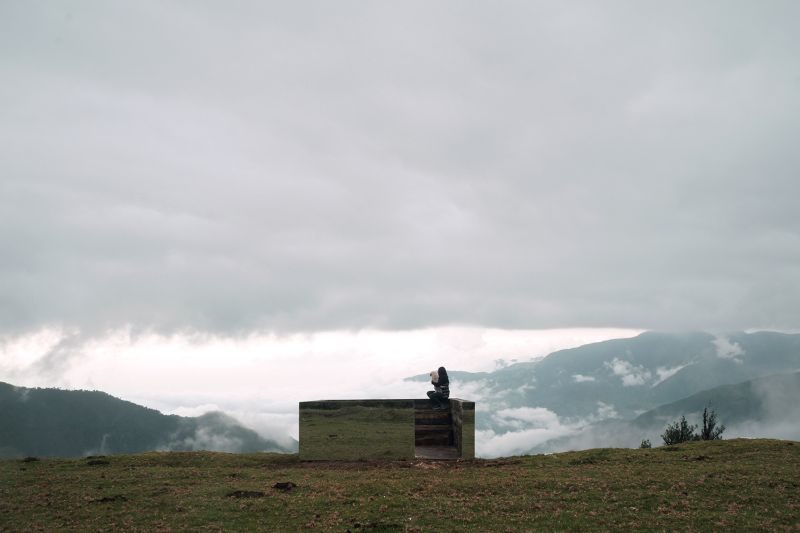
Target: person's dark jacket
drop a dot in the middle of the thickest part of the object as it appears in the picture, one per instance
(443, 385)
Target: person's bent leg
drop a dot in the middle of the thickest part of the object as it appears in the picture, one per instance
(446, 401)
(436, 399)
(432, 398)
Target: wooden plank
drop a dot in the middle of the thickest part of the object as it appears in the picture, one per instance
(437, 421)
(431, 414)
(446, 423)
(444, 418)
(438, 428)
(436, 453)
(433, 441)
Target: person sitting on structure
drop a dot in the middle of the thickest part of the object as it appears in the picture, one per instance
(441, 383)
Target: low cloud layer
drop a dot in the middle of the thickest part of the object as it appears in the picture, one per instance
(630, 374)
(728, 350)
(524, 430)
(274, 167)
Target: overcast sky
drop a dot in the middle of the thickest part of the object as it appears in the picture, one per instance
(305, 166)
(274, 188)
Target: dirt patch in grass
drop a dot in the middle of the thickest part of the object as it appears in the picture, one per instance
(246, 494)
(110, 499)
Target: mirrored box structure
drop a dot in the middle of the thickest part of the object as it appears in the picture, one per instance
(375, 429)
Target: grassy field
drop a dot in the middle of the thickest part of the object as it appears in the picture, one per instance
(738, 484)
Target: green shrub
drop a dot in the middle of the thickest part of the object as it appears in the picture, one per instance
(710, 429)
(680, 431)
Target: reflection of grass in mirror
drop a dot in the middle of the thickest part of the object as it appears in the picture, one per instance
(467, 421)
(357, 432)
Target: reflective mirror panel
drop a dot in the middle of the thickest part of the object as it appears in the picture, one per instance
(463, 413)
(357, 429)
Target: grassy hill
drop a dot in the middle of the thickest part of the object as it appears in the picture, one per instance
(738, 484)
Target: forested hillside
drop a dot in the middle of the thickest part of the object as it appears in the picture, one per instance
(54, 422)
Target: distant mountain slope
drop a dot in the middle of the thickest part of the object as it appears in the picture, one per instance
(769, 398)
(53, 422)
(762, 407)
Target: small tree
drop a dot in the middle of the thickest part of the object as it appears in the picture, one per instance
(710, 429)
(645, 444)
(680, 431)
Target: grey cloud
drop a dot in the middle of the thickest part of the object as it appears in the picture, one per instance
(57, 359)
(249, 166)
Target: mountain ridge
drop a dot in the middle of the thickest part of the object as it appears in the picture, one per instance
(650, 369)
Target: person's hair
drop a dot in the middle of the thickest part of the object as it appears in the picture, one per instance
(443, 378)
